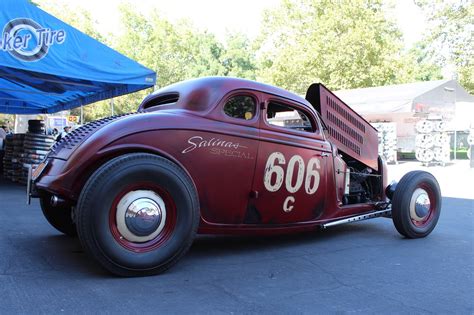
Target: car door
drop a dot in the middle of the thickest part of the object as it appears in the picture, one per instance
(221, 156)
(290, 175)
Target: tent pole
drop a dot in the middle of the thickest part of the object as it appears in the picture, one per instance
(112, 106)
(455, 140)
(82, 116)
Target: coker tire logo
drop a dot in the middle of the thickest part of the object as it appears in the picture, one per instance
(15, 26)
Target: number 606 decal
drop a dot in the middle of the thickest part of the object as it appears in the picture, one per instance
(296, 167)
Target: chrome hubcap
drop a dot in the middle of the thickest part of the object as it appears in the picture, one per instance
(420, 205)
(141, 216)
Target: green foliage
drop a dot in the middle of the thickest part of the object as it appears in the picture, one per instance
(238, 58)
(179, 51)
(93, 111)
(175, 52)
(343, 44)
(450, 37)
(72, 15)
(7, 120)
(421, 65)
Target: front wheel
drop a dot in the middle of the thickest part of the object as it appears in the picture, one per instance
(416, 204)
(138, 214)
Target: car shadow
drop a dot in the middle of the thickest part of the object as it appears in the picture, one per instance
(60, 254)
(55, 255)
(230, 245)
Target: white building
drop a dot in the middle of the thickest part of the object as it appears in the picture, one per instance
(406, 104)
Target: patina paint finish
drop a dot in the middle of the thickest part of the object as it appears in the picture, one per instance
(251, 177)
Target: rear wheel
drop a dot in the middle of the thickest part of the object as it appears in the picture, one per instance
(416, 204)
(138, 214)
(60, 217)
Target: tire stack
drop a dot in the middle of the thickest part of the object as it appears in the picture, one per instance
(16, 172)
(7, 158)
(36, 146)
(387, 134)
(432, 142)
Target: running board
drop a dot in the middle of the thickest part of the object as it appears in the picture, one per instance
(376, 214)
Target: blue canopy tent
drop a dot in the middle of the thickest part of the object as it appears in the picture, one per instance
(47, 66)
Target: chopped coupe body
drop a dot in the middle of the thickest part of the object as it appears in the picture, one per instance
(221, 156)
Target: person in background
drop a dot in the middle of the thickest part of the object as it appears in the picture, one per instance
(3, 135)
(3, 132)
(63, 133)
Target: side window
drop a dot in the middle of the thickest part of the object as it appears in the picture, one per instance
(241, 106)
(282, 115)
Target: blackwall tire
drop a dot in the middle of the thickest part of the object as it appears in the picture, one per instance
(59, 217)
(39, 137)
(416, 204)
(138, 214)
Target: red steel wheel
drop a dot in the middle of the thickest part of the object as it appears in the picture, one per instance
(416, 204)
(138, 214)
(142, 217)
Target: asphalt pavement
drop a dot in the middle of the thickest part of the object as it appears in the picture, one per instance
(364, 267)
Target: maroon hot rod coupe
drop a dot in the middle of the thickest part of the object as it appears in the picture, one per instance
(221, 156)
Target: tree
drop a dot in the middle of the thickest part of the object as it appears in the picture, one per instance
(179, 51)
(450, 36)
(421, 66)
(344, 44)
(239, 58)
(74, 16)
(175, 51)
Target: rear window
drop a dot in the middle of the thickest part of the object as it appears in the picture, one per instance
(161, 101)
(241, 107)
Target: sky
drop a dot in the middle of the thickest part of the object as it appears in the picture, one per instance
(219, 16)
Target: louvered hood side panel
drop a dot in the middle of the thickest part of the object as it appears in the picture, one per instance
(352, 134)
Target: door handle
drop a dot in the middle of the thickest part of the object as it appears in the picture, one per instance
(324, 154)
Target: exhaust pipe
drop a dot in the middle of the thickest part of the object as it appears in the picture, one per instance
(57, 201)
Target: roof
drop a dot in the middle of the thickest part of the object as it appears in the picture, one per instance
(203, 93)
(396, 98)
(48, 66)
